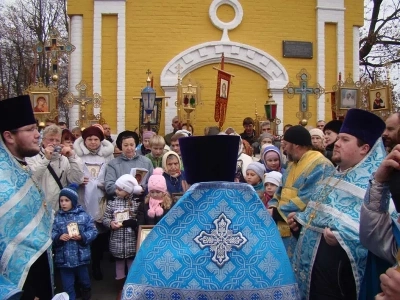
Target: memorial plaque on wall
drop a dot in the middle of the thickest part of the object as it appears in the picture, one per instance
(297, 49)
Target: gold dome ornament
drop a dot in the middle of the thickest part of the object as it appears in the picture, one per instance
(304, 122)
(54, 77)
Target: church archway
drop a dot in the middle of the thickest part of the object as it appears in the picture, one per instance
(235, 53)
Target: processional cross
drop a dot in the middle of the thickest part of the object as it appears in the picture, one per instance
(82, 99)
(54, 48)
(303, 90)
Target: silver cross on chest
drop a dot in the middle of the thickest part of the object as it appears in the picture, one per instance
(221, 240)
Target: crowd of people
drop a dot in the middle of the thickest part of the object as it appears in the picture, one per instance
(323, 194)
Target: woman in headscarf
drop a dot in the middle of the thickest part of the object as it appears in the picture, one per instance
(95, 152)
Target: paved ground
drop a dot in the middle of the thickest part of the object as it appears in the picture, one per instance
(103, 289)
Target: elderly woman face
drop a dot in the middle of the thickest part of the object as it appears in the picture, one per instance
(129, 147)
(266, 140)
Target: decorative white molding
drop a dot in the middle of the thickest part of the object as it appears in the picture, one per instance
(328, 12)
(237, 7)
(356, 53)
(75, 63)
(210, 53)
(118, 8)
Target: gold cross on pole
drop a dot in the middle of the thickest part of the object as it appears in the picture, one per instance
(54, 48)
(83, 99)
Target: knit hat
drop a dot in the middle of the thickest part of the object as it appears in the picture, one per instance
(363, 125)
(317, 132)
(333, 125)
(184, 132)
(273, 177)
(129, 184)
(71, 192)
(125, 135)
(16, 113)
(202, 164)
(157, 181)
(298, 135)
(272, 148)
(148, 135)
(99, 126)
(258, 168)
(93, 130)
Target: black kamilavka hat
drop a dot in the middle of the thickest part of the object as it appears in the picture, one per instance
(16, 113)
(203, 163)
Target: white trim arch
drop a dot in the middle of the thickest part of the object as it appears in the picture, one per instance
(204, 54)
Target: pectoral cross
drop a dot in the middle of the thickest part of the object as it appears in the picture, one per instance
(83, 99)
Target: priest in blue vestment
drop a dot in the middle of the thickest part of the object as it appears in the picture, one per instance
(25, 219)
(329, 260)
(217, 242)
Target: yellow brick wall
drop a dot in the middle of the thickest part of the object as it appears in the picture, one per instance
(109, 70)
(247, 92)
(156, 31)
(331, 77)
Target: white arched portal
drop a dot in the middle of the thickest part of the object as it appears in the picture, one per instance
(210, 53)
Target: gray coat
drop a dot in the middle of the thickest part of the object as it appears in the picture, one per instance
(376, 222)
(120, 166)
(122, 240)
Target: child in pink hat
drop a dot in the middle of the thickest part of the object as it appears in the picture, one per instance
(157, 202)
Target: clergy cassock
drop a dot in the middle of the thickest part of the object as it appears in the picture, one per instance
(336, 204)
(217, 242)
(298, 185)
(25, 223)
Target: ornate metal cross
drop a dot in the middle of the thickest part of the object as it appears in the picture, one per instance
(82, 99)
(54, 48)
(221, 240)
(303, 90)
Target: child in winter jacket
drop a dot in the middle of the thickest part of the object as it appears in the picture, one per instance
(120, 217)
(157, 202)
(73, 231)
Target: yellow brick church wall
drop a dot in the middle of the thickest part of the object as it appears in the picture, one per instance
(157, 31)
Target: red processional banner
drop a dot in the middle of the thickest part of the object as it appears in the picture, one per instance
(222, 94)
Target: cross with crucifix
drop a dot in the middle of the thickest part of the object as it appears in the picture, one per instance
(53, 49)
(303, 90)
(82, 99)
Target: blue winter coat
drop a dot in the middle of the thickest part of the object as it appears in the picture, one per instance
(72, 253)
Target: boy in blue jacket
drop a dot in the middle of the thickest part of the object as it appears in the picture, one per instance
(73, 231)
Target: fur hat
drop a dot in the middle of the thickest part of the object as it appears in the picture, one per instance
(317, 132)
(148, 135)
(71, 192)
(157, 181)
(16, 113)
(333, 125)
(258, 168)
(273, 177)
(125, 135)
(202, 164)
(298, 135)
(129, 184)
(93, 130)
(363, 125)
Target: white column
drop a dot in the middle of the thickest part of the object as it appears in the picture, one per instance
(328, 12)
(277, 95)
(171, 110)
(75, 63)
(118, 8)
(356, 53)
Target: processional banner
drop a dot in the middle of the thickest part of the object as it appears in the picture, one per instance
(222, 94)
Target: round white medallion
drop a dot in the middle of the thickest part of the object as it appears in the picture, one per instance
(225, 26)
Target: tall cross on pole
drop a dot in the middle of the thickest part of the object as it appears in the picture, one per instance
(83, 99)
(304, 91)
(54, 48)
